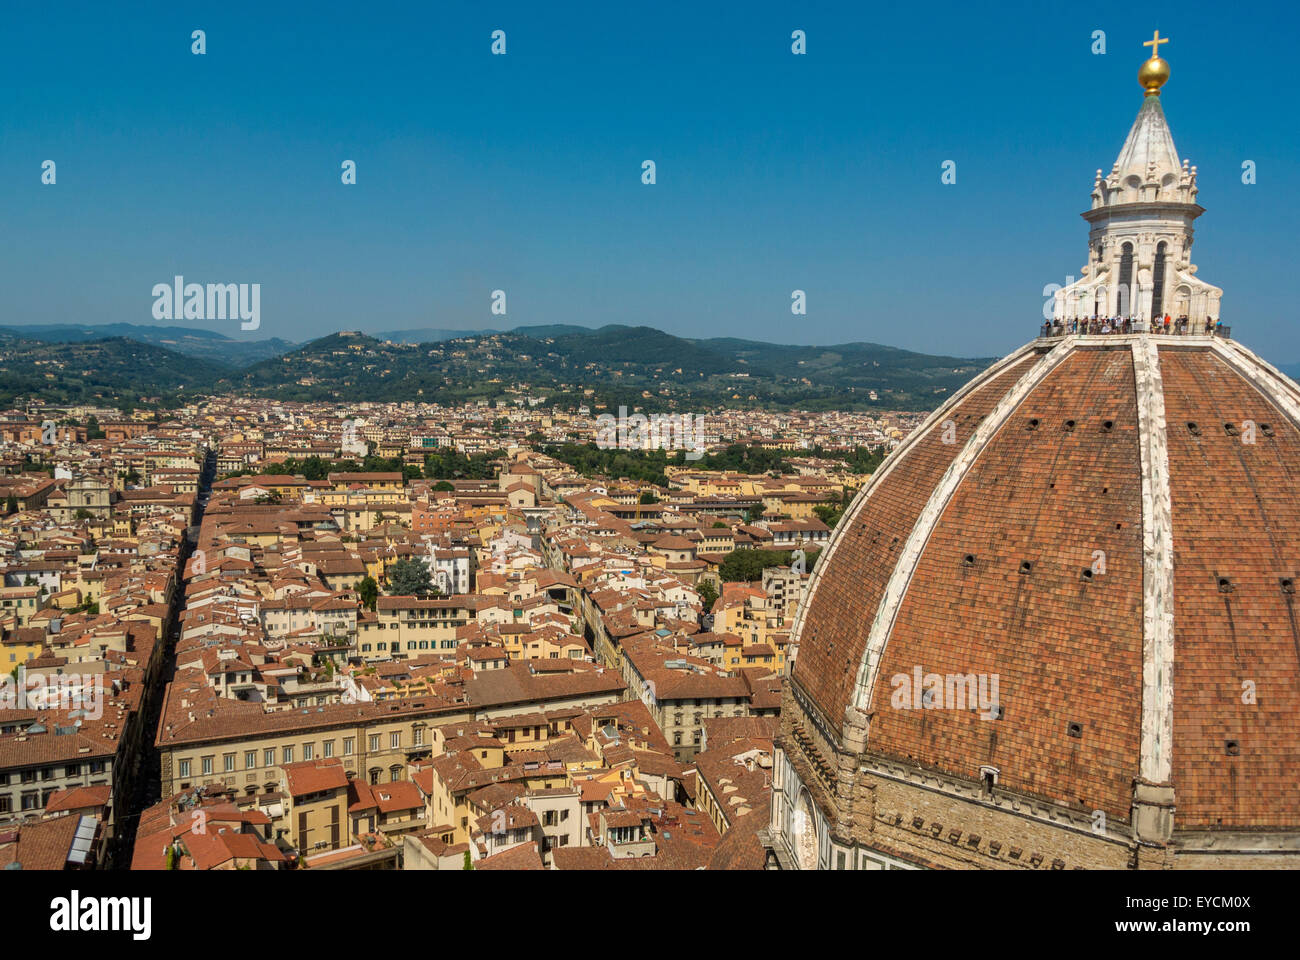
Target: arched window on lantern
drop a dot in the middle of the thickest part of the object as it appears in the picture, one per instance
(1158, 282)
(1126, 306)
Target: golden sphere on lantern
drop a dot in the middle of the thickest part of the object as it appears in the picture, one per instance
(1153, 74)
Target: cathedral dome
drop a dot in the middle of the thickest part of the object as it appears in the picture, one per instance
(1103, 531)
(1059, 627)
(1061, 623)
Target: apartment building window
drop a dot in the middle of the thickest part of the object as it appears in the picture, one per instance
(395, 740)
(268, 757)
(349, 746)
(329, 748)
(374, 742)
(307, 751)
(417, 736)
(30, 801)
(183, 768)
(96, 766)
(287, 755)
(229, 762)
(5, 804)
(250, 759)
(207, 766)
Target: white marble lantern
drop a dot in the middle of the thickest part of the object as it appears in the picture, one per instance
(1139, 248)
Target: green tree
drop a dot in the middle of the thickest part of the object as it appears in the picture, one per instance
(454, 465)
(313, 468)
(409, 576)
(648, 496)
(747, 564)
(368, 591)
(829, 513)
(708, 594)
(11, 505)
(444, 486)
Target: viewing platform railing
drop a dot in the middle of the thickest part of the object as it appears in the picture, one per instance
(1176, 328)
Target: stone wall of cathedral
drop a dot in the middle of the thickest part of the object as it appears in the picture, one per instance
(894, 815)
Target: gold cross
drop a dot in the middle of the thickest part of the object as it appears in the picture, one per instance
(1154, 44)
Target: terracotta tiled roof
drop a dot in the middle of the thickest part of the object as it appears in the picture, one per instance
(314, 776)
(1005, 583)
(740, 848)
(522, 857)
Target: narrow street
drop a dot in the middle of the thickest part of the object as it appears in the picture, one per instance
(146, 778)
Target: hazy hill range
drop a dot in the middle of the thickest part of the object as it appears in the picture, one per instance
(207, 344)
(636, 366)
(632, 365)
(112, 371)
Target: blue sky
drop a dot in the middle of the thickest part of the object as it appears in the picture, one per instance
(522, 172)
